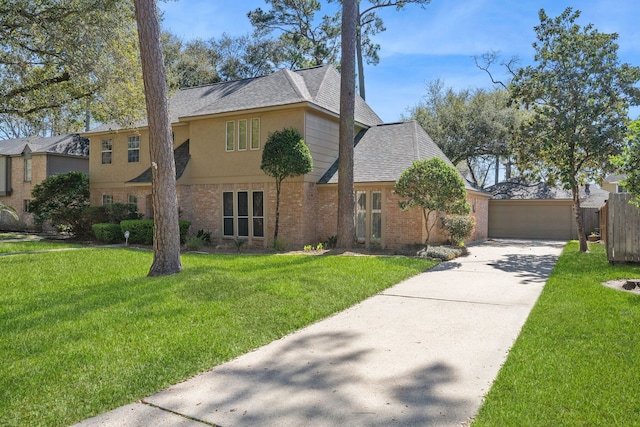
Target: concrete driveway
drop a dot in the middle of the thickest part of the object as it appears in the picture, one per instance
(421, 353)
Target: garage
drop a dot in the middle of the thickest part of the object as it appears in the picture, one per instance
(532, 219)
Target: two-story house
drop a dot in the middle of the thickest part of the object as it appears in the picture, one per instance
(219, 131)
(25, 162)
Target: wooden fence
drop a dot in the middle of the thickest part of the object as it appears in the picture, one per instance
(621, 229)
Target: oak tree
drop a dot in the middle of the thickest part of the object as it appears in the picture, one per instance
(579, 94)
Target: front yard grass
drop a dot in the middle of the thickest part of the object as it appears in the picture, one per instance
(85, 331)
(33, 246)
(575, 362)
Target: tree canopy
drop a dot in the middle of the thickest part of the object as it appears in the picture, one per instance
(434, 186)
(62, 58)
(472, 127)
(579, 94)
(285, 155)
(628, 162)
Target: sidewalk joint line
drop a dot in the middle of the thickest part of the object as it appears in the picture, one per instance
(144, 402)
(447, 300)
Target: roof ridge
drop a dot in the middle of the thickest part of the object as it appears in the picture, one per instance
(294, 80)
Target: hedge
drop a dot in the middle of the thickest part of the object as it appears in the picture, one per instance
(141, 230)
(107, 232)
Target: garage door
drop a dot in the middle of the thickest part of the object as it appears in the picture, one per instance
(531, 219)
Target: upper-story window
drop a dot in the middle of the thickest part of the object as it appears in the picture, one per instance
(133, 149)
(27, 169)
(231, 135)
(242, 135)
(245, 136)
(107, 151)
(255, 134)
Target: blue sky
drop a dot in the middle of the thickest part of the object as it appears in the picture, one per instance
(437, 42)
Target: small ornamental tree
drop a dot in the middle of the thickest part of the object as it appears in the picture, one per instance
(61, 200)
(629, 162)
(434, 186)
(285, 155)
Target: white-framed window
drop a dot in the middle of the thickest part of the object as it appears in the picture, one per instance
(27, 169)
(231, 135)
(243, 216)
(107, 151)
(132, 201)
(361, 215)
(368, 216)
(107, 199)
(133, 149)
(242, 135)
(255, 134)
(376, 215)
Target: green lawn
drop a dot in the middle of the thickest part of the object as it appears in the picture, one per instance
(31, 246)
(85, 331)
(576, 362)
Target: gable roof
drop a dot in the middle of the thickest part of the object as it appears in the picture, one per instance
(518, 189)
(383, 152)
(319, 86)
(181, 156)
(69, 144)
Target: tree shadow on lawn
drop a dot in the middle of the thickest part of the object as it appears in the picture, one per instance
(316, 379)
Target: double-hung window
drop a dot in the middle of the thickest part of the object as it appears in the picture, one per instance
(243, 216)
(133, 149)
(107, 151)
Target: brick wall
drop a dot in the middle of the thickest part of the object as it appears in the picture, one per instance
(21, 191)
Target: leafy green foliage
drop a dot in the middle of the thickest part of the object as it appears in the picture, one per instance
(61, 200)
(458, 227)
(108, 232)
(304, 42)
(285, 155)
(141, 230)
(434, 186)
(628, 162)
(61, 57)
(579, 94)
(471, 127)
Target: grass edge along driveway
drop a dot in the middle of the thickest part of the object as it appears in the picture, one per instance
(575, 363)
(85, 331)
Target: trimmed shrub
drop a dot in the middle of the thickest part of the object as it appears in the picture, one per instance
(108, 233)
(195, 243)
(443, 253)
(141, 230)
(458, 227)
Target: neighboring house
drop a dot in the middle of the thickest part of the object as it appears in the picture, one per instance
(613, 183)
(25, 162)
(219, 131)
(519, 209)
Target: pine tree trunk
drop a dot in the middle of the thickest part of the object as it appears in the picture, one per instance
(359, 53)
(346, 197)
(166, 234)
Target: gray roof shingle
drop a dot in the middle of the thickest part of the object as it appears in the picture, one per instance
(383, 152)
(181, 156)
(318, 85)
(69, 144)
(518, 189)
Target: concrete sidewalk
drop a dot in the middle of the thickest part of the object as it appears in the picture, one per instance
(421, 353)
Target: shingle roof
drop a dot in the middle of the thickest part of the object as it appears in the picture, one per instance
(383, 152)
(318, 85)
(521, 190)
(69, 144)
(181, 156)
